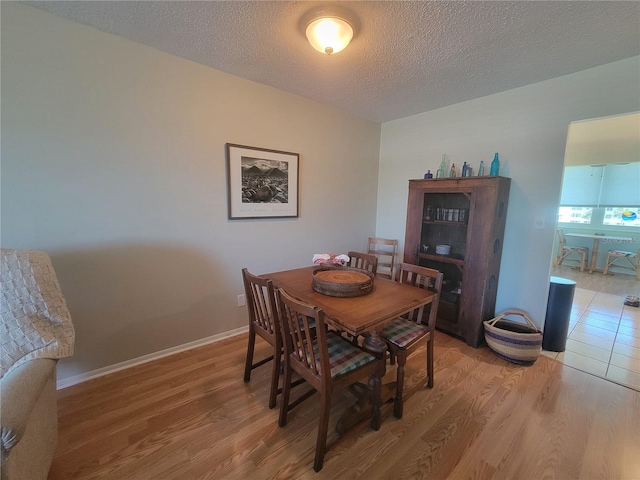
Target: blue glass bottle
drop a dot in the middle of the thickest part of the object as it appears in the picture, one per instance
(495, 165)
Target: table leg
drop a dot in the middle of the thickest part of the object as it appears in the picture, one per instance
(378, 347)
(594, 254)
(364, 406)
(374, 344)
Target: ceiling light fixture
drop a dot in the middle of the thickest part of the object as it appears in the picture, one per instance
(328, 30)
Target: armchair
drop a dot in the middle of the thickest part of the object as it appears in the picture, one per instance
(35, 331)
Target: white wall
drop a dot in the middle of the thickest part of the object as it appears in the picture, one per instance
(113, 163)
(528, 127)
(601, 141)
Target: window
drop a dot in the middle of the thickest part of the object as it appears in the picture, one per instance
(575, 215)
(608, 185)
(622, 216)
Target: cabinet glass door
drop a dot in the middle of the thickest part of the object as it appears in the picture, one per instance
(443, 246)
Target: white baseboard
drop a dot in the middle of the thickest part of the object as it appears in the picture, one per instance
(67, 382)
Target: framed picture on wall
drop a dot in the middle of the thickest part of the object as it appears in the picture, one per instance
(261, 183)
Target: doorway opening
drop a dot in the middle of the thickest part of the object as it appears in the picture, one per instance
(600, 192)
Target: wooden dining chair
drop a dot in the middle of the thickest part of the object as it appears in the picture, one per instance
(326, 362)
(263, 321)
(385, 249)
(630, 258)
(565, 251)
(363, 261)
(404, 335)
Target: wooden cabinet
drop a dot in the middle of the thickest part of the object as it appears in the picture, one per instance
(468, 214)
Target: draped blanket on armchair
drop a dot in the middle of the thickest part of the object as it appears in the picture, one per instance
(35, 321)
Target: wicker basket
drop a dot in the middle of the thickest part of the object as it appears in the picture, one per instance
(516, 342)
(342, 281)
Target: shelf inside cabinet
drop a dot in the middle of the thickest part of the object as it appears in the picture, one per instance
(444, 222)
(442, 259)
(448, 310)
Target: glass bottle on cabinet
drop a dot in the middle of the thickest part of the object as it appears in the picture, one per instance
(456, 226)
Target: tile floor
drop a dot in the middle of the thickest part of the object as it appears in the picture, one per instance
(604, 338)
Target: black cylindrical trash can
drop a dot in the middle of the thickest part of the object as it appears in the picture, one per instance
(556, 323)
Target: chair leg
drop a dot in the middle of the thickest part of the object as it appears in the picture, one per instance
(558, 259)
(323, 427)
(606, 266)
(430, 363)
(275, 375)
(250, 348)
(583, 262)
(392, 353)
(398, 403)
(286, 390)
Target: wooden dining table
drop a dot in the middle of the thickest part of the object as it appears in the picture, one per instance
(364, 315)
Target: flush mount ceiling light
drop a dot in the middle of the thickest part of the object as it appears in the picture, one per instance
(329, 30)
(329, 34)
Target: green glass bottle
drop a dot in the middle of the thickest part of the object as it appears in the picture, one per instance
(442, 171)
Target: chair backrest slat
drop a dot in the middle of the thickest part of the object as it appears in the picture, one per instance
(422, 277)
(302, 327)
(385, 249)
(363, 261)
(261, 302)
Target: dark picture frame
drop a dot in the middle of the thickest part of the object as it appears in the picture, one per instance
(261, 183)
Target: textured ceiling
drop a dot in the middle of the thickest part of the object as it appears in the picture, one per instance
(407, 57)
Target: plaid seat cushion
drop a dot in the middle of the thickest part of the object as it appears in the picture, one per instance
(343, 357)
(402, 332)
(312, 324)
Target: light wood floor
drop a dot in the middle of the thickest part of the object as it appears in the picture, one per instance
(190, 416)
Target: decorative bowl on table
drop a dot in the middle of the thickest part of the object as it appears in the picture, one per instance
(337, 281)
